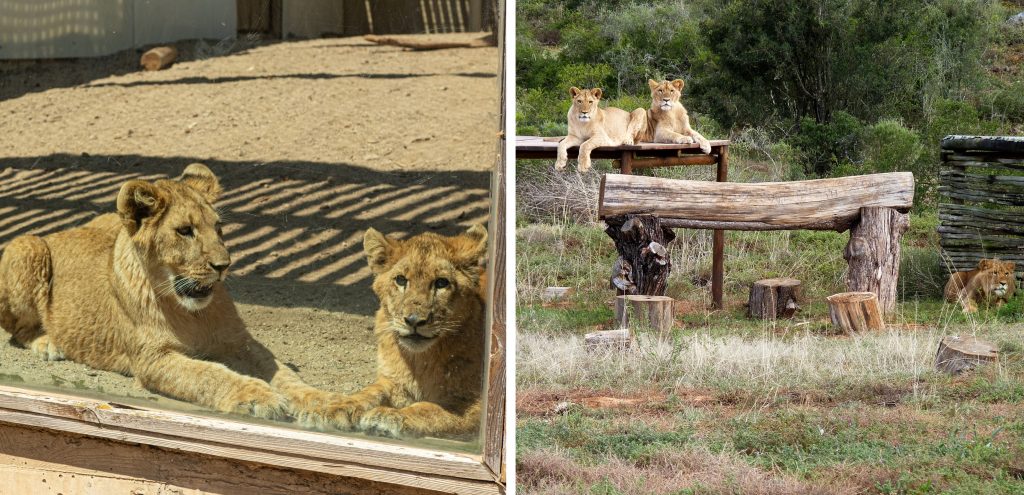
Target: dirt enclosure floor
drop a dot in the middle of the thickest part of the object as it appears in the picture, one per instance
(314, 141)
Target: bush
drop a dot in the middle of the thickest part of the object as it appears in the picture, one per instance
(888, 146)
(824, 146)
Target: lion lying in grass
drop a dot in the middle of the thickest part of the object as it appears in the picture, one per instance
(591, 126)
(430, 339)
(992, 281)
(141, 293)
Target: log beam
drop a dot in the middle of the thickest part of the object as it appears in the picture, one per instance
(832, 204)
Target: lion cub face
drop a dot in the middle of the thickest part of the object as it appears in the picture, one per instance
(585, 103)
(665, 94)
(428, 285)
(176, 229)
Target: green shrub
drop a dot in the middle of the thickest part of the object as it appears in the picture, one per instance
(823, 146)
(888, 146)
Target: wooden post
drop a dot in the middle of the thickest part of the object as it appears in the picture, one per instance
(621, 338)
(643, 258)
(774, 298)
(718, 239)
(654, 312)
(874, 254)
(159, 58)
(626, 163)
(855, 311)
(959, 354)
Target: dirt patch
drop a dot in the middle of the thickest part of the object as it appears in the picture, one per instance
(314, 141)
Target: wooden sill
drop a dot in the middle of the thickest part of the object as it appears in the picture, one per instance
(350, 457)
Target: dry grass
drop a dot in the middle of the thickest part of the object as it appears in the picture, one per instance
(546, 194)
(546, 472)
(559, 361)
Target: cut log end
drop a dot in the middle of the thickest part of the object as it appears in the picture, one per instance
(774, 298)
(960, 354)
(158, 58)
(854, 312)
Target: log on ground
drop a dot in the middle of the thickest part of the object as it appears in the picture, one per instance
(158, 58)
(959, 354)
(854, 312)
(618, 339)
(774, 298)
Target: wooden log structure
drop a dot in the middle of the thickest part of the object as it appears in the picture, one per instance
(874, 207)
(855, 312)
(643, 264)
(981, 205)
(617, 339)
(158, 58)
(642, 311)
(959, 354)
(774, 298)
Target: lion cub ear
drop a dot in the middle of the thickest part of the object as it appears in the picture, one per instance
(378, 249)
(986, 264)
(678, 84)
(652, 83)
(138, 201)
(201, 178)
(573, 91)
(475, 251)
(596, 92)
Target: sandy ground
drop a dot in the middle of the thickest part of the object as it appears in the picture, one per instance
(314, 141)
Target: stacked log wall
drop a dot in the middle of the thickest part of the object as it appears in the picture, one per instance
(981, 203)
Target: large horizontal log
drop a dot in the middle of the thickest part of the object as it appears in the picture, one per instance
(822, 204)
(1003, 144)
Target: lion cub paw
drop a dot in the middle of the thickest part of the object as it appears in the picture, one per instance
(385, 422)
(560, 163)
(683, 140)
(258, 399)
(336, 411)
(46, 349)
(584, 165)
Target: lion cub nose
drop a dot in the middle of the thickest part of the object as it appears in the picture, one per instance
(414, 320)
(220, 267)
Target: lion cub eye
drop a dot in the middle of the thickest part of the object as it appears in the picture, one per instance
(401, 280)
(186, 231)
(441, 283)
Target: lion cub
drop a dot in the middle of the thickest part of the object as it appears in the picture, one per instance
(141, 293)
(667, 120)
(430, 339)
(591, 126)
(992, 280)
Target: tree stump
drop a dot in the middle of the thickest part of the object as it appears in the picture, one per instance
(855, 311)
(873, 254)
(620, 339)
(654, 312)
(774, 298)
(643, 265)
(959, 354)
(159, 58)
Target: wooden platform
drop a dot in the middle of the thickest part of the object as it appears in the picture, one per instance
(649, 155)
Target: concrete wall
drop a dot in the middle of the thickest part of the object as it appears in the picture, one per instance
(88, 28)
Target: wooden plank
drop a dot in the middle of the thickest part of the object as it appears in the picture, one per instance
(494, 415)
(993, 164)
(37, 461)
(981, 214)
(984, 243)
(1003, 144)
(963, 192)
(544, 144)
(834, 203)
(183, 429)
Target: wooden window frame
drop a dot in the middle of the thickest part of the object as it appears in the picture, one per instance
(355, 457)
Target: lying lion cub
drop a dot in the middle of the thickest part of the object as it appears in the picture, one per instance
(430, 339)
(591, 126)
(140, 292)
(667, 120)
(993, 280)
